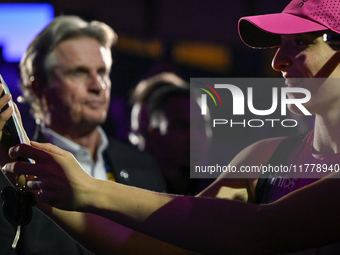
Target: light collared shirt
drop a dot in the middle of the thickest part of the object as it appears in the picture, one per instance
(96, 168)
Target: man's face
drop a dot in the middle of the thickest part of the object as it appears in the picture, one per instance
(79, 91)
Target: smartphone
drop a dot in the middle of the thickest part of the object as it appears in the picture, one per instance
(13, 122)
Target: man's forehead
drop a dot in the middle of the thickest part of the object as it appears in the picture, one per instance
(83, 51)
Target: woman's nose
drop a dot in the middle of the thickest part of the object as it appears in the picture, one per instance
(281, 59)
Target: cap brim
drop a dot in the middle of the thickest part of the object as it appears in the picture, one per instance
(263, 31)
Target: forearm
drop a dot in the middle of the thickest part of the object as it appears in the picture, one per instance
(106, 198)
(102, 236)
(192, 223)
(216, 226)
(205, 225)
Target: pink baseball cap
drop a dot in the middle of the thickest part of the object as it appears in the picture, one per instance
(300, 16)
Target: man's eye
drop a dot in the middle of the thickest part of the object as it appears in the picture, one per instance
(79, 72)
(102, 72)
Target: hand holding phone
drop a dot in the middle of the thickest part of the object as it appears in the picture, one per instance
(17, 202)
(14, 126)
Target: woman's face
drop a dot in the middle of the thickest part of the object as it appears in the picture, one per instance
(305, 60)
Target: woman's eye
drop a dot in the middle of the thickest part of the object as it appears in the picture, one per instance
(301, 42)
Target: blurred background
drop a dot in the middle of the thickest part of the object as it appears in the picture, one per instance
(193, 38)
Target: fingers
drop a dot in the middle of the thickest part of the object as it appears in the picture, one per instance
(6, 114)
(18, 113)
(37, 151)
(26, 139)
(7, 111)
(24, 168)
(48, 148)
(4, 99)
(27, 151)
(16, 179)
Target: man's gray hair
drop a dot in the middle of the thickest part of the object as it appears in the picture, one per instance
(36, 63)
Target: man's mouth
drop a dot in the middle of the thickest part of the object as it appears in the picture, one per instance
(94, 103)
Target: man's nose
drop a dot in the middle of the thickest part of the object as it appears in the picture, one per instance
(97, 83)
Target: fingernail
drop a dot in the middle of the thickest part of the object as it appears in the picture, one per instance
(4, 169)
(13, 149)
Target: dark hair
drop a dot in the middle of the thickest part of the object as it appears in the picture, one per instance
(159, 98)
(146, 88)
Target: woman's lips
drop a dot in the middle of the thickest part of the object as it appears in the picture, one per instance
(292, 81)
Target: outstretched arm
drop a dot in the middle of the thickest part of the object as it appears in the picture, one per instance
(103, 236)
(210, 226)
(98, 234)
